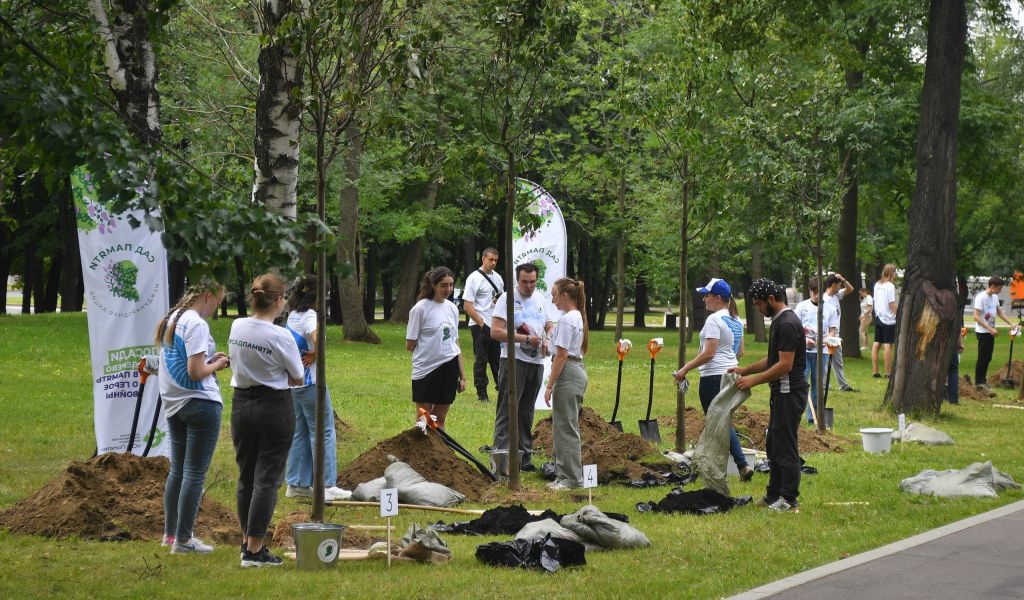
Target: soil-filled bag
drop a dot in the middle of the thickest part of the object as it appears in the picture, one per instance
(594, 526)
(980, 480)
(922, 434)
(711, 456)
(537, 531)
(549, 554)
(414, 489)
(369, 491)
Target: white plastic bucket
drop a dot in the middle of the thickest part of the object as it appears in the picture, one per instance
(876, 440)
(750, 455)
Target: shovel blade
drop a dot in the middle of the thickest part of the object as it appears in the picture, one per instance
(649, 431)
(617, 425)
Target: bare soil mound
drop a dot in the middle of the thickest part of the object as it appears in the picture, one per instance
(752, 424)
(427, 454)
(1016, 373)
(615, 453)
(282, 538)
(112, 497)
(969, 391)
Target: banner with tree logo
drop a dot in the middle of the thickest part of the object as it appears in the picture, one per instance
(544, 244)
(125, 275)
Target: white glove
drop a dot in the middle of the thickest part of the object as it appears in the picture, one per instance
(625, 346)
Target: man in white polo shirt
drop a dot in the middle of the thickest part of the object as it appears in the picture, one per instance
(986, 309)
(482, 289)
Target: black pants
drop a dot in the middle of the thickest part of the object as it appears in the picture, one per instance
(783, 452)
(986, 344)
(529, 378)
(485, 354)
(262, 424)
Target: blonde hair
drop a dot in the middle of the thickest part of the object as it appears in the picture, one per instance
(889, 272)
(165, 329)
(265, 291)
(574, 288)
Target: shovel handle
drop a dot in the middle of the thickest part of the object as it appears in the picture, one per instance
(430, 422)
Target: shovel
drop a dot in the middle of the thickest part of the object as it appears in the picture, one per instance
(143, 376)
(622, 348)
(456, 446)
(648, 427)
(1008, 381)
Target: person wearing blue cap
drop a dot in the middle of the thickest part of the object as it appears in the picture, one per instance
(716, 356)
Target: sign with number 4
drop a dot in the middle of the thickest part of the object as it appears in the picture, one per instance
(389, 502)
(589, 476)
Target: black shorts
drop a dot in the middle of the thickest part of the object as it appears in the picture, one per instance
(439, 386)
(885, 334)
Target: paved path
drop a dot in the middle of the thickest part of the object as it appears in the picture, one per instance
(979, 558)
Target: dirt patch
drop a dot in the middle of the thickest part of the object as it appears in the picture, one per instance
(1016, 373)
(351, 538)
(427, 454)
(112, 497)
(615, 453)
(969, 391)
(752, 424)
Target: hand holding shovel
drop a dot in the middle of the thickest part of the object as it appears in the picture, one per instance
(622, 347)
(649, 428)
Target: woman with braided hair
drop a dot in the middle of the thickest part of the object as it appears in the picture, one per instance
(192, 403)
(264, 363)
(567, 382)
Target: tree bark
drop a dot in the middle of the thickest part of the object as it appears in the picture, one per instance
(512, 402)
(928, 317)
(72, 271)
(370, 289)
(241, 285)
(684, 248)
(640, 304)
(755, 323)
(620, 259)
(354, 325)
(412, 265)
(278, 112)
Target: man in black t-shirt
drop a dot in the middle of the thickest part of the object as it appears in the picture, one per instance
(783, 369)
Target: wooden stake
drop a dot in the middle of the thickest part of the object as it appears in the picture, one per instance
(458, 511)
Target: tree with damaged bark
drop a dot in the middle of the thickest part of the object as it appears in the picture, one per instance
(928, 318)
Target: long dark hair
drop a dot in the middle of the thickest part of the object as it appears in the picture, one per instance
(430, 279)
(165, 330)
(575, 290)
(303, 294)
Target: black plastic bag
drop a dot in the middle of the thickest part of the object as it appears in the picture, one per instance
(549, 554)
(547, 471)
(762, 466)
(700, 502)
(503, 520)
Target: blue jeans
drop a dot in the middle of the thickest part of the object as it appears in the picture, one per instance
(709, 388)
(193, 430)
(300, 457)
(811, 377)
(953, 380)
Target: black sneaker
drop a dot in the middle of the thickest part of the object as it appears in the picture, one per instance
(481, 395)
(263, 558)
(876, 375)
(528, 467)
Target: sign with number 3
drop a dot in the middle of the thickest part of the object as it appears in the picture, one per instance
(389, 502)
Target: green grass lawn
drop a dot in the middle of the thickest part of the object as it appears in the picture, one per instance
(46, 399)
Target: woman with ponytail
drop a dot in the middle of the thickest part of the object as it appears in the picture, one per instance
(433, 338)
(567, 382)
(193, 406)
(265, 361)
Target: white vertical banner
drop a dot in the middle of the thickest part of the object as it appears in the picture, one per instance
(125, 275)
(545, 247)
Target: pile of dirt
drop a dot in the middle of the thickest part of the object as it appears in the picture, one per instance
(351, 538)
(615, 453)
(969, 391)
(1016, 373)
(112, 497)
(752, 424)
(428, 455)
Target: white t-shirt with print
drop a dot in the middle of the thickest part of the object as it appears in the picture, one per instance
(531, 318)
(988, 306)
(717, 328)
(885, 292)
(808, 313)
(834, 299)
(262, 354)
(303, 327)
(481, 294)
(569, 334)
(865, 306)
(435, 328)
(191, 337)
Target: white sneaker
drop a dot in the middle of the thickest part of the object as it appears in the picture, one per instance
(336, 493)
(298, 492)
(559, 485)
(195, 545)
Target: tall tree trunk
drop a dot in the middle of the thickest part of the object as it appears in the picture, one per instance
(241, 285)
(53, 277)
(29, 279)
(370, 289)
(755, 322)
(334, 302)
(412, 265)
(928, 319)
(72, 271)
(684, 296)
(641, 303)
(278, 111)
(600, 306)
(512, 402)
(5, 263)
(355, 327)
(387, 291)
(620, 258)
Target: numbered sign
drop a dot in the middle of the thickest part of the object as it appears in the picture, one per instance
(389, 502)
(589, 476)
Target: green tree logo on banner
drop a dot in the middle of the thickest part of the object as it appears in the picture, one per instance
(120, 278)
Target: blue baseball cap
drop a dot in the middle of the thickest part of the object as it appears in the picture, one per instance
(717, 287)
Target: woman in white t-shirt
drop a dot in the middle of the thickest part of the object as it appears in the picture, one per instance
(193, 406)
(567, 382)
(265, 362)
(302, 324)
(432, 336)
(866, 316)
(885, 319)
(716, 356)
